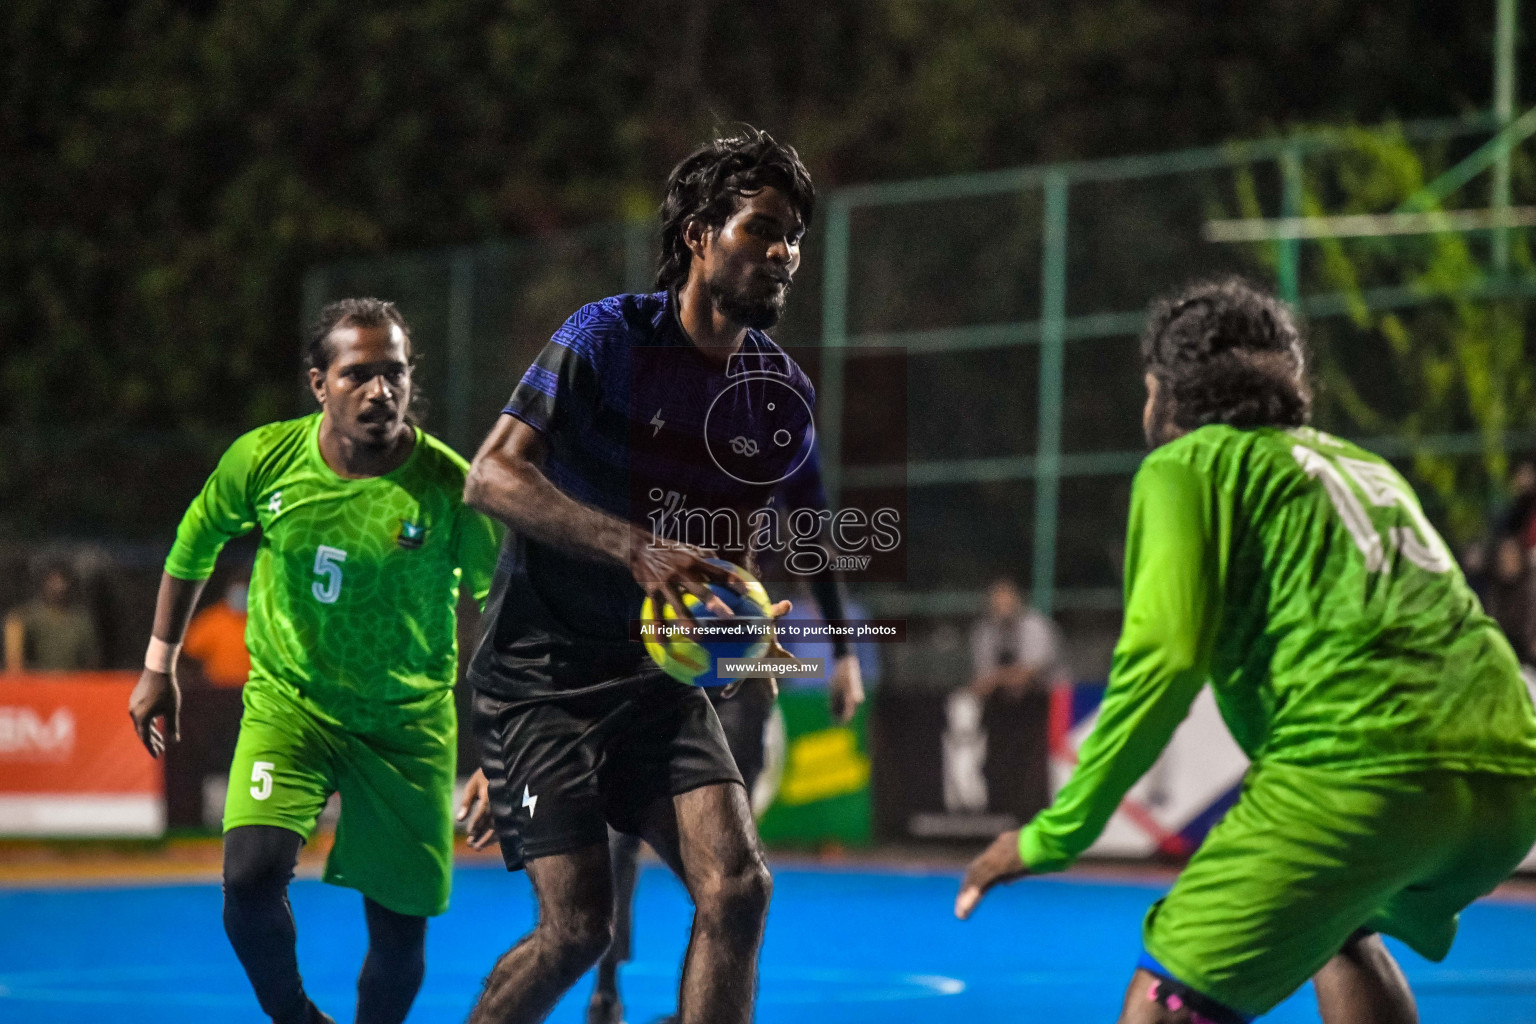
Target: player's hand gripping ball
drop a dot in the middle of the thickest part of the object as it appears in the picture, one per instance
(693, 660)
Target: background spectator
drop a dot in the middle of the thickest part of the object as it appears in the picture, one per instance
(1520, 517)
(1474, 565)
(1014, 649)
(214, 647)
(53, 632)
(1508, 598)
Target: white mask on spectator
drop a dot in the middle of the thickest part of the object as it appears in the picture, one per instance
(237, 596)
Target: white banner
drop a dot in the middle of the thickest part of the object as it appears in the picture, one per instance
(1186, 791)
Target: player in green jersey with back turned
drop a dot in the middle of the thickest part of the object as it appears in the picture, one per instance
(1392, 738)
(365, 537)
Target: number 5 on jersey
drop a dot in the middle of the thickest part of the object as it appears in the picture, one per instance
(1419, 543)
(261, 779)
(328, 566)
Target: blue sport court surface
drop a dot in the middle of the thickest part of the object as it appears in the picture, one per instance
(845, 946)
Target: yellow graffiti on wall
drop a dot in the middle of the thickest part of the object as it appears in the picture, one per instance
(824, 764)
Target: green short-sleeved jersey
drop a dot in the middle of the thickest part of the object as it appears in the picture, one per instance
(356, 582)
(1296, 573)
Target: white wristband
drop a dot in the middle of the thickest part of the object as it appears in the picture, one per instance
(161, 656)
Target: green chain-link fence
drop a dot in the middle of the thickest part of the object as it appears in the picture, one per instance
(1016, 297)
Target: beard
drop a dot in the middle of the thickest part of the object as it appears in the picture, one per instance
(759, 313)
(382, 433)
(379, 440)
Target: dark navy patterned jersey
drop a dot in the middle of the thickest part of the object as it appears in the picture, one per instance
(639, 423)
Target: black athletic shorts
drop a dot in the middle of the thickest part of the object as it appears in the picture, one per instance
(563, 768)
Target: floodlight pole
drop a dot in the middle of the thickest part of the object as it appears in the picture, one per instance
(1504, 111)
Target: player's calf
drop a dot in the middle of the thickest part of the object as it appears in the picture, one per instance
(1364, 985)
(720, 973)
(575, 893)
(526, 983)
(713, 843)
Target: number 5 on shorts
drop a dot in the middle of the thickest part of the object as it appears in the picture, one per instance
(261, 775)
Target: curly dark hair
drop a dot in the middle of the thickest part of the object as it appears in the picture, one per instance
(708, 186)
(365, 312)
(1223, 351)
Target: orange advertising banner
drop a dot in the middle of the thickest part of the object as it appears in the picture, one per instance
(70, 763)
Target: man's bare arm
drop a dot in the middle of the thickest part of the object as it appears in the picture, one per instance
(157, 696)
(173, 607)
(15, 643)
(845, 682)
(1015, 677)
(506, 482)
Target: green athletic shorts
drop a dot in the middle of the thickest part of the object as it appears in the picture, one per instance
(394, 841)
(1307, 857)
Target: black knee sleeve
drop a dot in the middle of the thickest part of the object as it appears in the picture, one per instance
(395, 965)
(259, 861)
(258, 864)
(396, 935)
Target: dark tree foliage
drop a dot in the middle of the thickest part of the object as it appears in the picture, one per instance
(170, 169)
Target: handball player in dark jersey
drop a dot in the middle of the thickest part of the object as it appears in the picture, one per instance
(640, 410)
(744, 717)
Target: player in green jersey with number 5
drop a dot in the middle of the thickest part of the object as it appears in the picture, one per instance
(364, 540)
(1392, 740)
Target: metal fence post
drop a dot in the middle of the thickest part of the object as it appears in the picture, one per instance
(637, 257)
(1053, 320)
(1504, 110)
(461, 306)
(834, 334)
(1292, 182)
